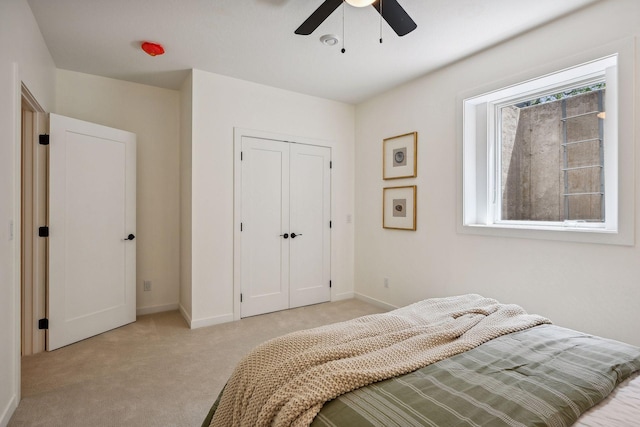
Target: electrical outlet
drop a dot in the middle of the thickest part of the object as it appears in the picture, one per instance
(147, 285)
(386, 282)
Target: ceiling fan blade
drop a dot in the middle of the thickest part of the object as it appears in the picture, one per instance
(395, 16)
(318, 17)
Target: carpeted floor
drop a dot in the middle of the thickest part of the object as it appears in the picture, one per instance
(156, 371)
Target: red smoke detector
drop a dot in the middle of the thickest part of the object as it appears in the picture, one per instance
(152, 49)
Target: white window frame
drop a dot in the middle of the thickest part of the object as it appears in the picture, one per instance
(480, 152)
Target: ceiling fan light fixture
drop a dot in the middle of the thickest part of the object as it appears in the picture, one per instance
(360, 3)
(394, 14)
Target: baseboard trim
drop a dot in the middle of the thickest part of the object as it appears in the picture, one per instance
(343, 296)
(185, 315)
(8, 411)
(210, 321)
(375, 302)
(156, 309)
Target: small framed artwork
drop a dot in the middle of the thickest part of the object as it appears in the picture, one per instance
(399, 207)
(399, 156)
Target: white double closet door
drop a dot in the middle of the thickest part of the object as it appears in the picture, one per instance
(285, 219)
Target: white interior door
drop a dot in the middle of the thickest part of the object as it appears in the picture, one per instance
(285, 238)
(92, 212)
(310, 211)
(265, 220)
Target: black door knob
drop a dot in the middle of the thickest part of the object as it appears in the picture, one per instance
(286, 236)
(294, 235)
(130, 237)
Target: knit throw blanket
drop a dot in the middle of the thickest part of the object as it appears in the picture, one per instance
(285, 381)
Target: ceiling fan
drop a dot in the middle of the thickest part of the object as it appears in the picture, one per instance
(390, 10)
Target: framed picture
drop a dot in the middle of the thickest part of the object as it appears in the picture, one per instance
(399, 207)
(399, 156)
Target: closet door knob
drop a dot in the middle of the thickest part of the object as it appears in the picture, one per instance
(294, 235)
(286, 236)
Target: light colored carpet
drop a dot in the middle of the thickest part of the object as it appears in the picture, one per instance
(154, 372)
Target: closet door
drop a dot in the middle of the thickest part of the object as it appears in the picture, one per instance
(265, 220)
(310, 211)
(285, 242)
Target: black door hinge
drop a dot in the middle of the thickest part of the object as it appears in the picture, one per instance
(43, 139)
(43, 324)
(241, 156)
(43, 231)
(240, 297)
(330, 164)
(240, 226)
(329, 283)
(330, 224)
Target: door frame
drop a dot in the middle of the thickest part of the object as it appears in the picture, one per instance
(238, 134)
(33, 249)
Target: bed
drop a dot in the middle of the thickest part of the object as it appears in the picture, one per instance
(457, 361)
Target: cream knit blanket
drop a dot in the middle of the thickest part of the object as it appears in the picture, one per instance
(285, 381)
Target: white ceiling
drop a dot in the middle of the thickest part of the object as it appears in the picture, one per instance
(254, 40)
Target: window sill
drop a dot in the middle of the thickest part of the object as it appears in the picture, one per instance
(548, 227)
(548, 232)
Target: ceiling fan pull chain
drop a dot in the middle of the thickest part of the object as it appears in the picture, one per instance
(343, 8)
(381, 21)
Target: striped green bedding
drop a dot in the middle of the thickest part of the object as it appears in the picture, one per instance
(543, 376)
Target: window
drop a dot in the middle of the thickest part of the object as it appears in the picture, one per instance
(542, 154)
(551, 156)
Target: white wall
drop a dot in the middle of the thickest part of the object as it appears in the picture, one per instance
(186, 124)
(23, 57)
(220, 104)
(153, 114)
(590, 287)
